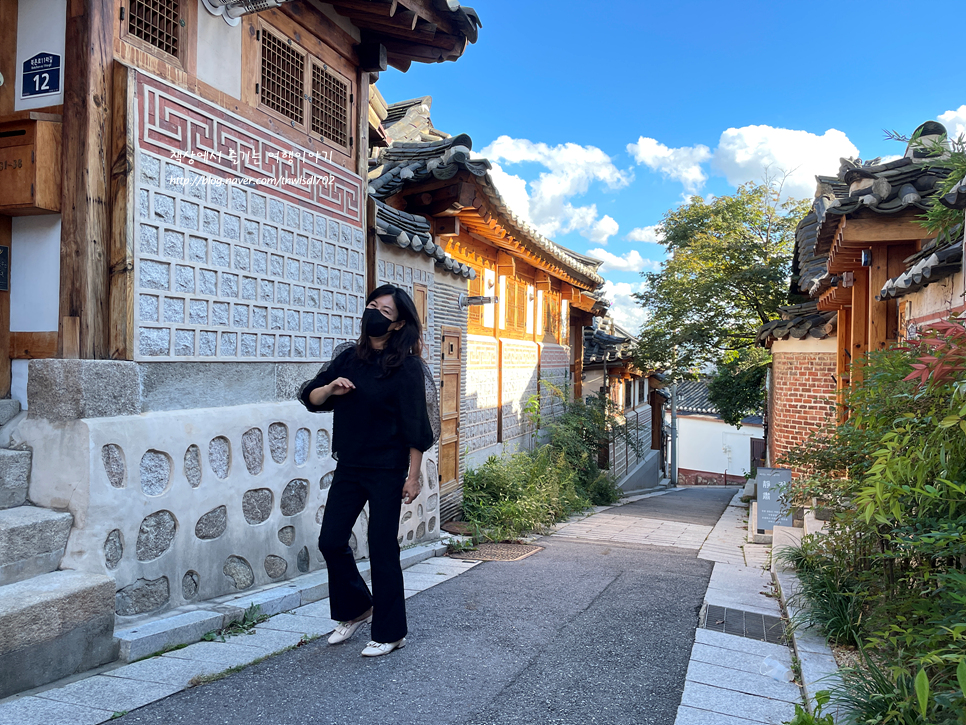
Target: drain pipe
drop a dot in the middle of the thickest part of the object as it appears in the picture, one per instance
(674, 435)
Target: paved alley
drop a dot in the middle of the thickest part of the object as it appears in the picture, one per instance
(599, 627)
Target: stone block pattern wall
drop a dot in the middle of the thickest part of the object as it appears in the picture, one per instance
(448, 312)
(519, 364)
(482, 393)
(265, 271)
(180, 513)
(554, 369)
(404, 269)
(802, 399)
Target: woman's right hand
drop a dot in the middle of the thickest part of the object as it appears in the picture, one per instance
(340, 386)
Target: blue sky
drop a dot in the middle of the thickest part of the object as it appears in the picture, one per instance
(599, 117)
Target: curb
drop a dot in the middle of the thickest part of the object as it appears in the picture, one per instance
(187, 625)
(815, 657)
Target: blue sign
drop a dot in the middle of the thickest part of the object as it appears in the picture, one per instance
(41, 75)
(771, 484)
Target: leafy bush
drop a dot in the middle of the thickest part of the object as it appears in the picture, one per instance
(508, 497)
(891, 572)
(531, 490)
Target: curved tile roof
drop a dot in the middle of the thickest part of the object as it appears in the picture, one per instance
(798, 322)
(864, 188)
(413, 232)
(406, 163)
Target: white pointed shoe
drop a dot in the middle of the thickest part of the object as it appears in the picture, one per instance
(375, 649)
(344, 630)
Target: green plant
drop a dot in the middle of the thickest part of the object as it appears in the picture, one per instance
(118, 714)
(246, 625)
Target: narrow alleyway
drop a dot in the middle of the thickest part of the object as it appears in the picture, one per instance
(595, 629)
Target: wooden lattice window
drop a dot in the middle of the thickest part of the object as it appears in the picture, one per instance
(551, 314)
(283, 77)
(157, 23)
(330, 105)
(516, 307)
(475, 312)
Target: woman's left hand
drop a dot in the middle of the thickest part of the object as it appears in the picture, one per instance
(410, 490)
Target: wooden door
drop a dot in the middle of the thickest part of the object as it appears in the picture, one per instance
(449, 410)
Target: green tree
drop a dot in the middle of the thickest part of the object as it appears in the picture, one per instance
(726, 274)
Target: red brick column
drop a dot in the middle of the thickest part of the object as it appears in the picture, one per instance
(802, 399)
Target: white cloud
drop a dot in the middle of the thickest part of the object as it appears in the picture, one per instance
(624, 308)
(513, 189)
(646, 234)
(749, 153)
(571, 169)
(630, 262)
(954, 121)
(603, 229)
(682, 164)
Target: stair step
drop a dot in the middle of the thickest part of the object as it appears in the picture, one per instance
(32, 542)
(54, 625)
(14, 476)
(8, 410)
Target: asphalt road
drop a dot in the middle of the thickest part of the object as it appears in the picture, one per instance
(577, 634)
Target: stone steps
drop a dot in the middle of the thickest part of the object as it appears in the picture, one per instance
(54, 625)
(9, 409)
(32, 542)
(14, 477)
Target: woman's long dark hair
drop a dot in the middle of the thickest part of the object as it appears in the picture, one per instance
(401, 343)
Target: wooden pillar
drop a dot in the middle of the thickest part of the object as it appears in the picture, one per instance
(860, 321)
(879, 317)
(577, 345)
(843, 359)
(8, 54)
(85, 237)
(372, 244)
(122, 215)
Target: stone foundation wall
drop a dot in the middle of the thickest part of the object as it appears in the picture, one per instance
(482, 393)
(183, 506)
(519, 366)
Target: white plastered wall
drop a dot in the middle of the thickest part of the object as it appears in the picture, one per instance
(72, 470)
(713, 446)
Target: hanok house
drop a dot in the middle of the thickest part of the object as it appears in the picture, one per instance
(875, 277)
(509, 304)
(637, 398)
(179, 257)
(710, 451)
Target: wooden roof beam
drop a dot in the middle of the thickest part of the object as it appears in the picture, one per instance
(883, 229)
(378, 9)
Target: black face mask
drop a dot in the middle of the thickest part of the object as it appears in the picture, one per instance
(374, 323)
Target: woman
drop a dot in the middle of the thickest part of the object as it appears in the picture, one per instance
(382, 396)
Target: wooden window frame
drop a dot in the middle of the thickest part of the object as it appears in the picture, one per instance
(421, 300)
(267, 29)
(310, 62)
(350, 95)
(186, 41)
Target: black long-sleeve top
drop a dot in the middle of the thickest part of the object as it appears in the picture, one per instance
(376, 424)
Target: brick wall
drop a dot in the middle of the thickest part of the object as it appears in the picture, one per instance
(802, 398)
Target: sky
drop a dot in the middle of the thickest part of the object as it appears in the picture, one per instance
(600, 117)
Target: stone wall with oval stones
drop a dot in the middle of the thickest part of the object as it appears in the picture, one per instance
(182, 508)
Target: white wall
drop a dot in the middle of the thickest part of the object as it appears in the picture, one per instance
(35, 273)
(219, 53)
(711, 445)
(41, 28)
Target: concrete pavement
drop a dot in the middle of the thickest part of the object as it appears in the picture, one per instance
(600, 627)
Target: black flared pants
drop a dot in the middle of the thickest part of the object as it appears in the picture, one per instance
(349, 596)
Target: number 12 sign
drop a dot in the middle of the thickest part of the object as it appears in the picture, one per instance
(41, 75)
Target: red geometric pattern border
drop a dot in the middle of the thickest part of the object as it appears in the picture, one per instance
(178, 125)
